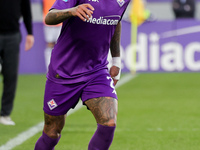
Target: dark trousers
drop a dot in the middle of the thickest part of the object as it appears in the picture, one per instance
(9, 57)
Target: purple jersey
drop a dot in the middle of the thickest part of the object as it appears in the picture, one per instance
(82, 47)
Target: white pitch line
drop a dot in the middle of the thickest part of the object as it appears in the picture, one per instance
(125, 79)
(22, 137)
(182, 31)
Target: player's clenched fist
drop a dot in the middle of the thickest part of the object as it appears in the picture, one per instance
(83, 11)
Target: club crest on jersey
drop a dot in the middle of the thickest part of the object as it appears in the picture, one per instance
(121, 2)
(52, 104)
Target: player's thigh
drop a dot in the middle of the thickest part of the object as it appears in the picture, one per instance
(104, 110)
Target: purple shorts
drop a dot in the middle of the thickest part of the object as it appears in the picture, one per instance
(59, 98)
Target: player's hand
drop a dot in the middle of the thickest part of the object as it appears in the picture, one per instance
(29, 42)
(83, 11)
(114, 71)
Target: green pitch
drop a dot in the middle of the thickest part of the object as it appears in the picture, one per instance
(156, 112)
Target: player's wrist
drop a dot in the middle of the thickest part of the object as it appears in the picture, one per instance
(116, 61)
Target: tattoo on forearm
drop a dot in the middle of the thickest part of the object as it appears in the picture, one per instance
(115, 42)
(56, 17)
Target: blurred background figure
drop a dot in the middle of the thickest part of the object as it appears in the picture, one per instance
(10, 38)
(51, 33)
(183, 8)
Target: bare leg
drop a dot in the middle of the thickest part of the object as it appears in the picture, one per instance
(51, 133)
(104, 110)
(53, 125)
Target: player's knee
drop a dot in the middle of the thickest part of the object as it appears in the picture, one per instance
(54, 125)
(52, 131)
(111, 122)
(53, 134)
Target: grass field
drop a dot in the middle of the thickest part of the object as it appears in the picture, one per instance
(156, 112)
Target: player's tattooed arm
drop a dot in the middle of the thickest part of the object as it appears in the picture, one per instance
(115, 52)
(115, 42)
(55, 16)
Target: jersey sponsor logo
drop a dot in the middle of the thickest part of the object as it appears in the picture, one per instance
(52, 104)
(106, 20)
(65, 0)
(120, 2)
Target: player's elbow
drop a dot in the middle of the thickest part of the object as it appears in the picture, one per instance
(48, 19)
(51, 19)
